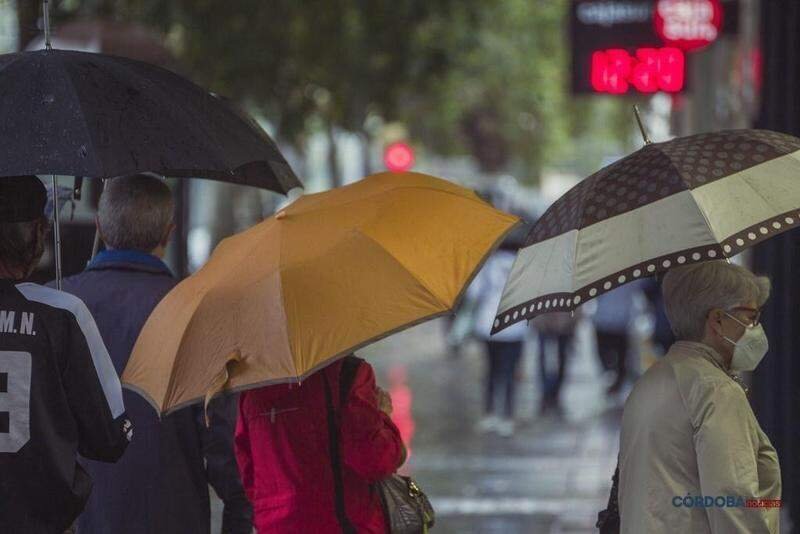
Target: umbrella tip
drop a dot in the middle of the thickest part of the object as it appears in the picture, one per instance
(645, 137)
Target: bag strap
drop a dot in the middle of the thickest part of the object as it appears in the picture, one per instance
(346, 376)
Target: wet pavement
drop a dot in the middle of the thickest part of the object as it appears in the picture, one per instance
(551, 476)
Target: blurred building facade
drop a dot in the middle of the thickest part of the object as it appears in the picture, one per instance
(776, 394)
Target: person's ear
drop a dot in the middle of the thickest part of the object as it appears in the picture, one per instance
(714, 320)
(99, 230)
(42, 225)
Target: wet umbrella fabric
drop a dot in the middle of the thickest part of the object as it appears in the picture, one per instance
(331, 273)
(94, 115)
(696, 198)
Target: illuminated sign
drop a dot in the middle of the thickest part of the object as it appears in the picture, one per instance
(605, 13)
(688, 24)
(626, 46)
(648, 70)
(398, 157)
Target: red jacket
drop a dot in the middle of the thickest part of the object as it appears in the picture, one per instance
(282, 450)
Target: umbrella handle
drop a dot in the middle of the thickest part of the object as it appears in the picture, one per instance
(219, 382)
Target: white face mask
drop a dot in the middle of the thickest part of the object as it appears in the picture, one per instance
(750, 349)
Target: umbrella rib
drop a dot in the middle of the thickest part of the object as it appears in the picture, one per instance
(283, 304)
(407, 270)
(574, 260)
(584, 200)
(170, 388)
(705, 217)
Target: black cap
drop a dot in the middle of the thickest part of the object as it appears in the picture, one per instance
(22, 199)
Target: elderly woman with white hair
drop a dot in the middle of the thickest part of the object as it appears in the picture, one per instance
(693, 458)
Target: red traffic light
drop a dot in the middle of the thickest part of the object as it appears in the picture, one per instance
(398, 157)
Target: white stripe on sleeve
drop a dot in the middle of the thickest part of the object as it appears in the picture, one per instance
(106, 373)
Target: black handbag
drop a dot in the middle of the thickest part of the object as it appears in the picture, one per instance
(406, 507)
(608, 520)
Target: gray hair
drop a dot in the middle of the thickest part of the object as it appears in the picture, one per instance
(135, 212)
(21, 244)
(691, 291)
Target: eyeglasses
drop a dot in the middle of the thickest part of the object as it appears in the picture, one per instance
(755, 321)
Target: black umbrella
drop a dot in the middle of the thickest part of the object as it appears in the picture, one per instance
(83, 114)
(95, 115)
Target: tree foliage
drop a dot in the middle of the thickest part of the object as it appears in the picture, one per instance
(485, 77)
(337, 60)
(506, 97)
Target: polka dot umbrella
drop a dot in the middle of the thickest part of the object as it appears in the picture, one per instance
(696, 198)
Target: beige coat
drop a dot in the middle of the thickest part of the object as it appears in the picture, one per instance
(688, 430)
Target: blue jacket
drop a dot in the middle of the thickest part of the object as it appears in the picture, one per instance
(160, 485)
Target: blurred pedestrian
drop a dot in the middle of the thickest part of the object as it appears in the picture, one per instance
(662, 333)
(300, 473)
(557, 328)
(504, 349)
(161, 486)
(460, 326)
(691, 450)
(59, 394)
(613, 320)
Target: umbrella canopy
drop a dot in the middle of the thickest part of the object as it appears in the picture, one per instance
(83, 114)
(329, 274)
(696, 198)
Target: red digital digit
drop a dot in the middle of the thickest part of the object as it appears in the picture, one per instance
(646, 71)
(599, 71)
(671, 69)
(619, 70)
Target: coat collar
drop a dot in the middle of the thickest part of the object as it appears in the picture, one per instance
(704, 351)
(128, 260)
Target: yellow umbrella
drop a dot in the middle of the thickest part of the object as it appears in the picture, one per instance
(329, 274)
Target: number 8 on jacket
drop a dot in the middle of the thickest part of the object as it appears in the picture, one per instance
(15, 389)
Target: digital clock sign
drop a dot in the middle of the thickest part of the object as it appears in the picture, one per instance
(640, 46)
